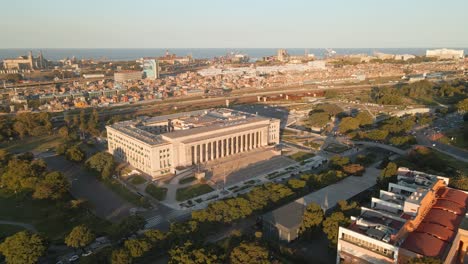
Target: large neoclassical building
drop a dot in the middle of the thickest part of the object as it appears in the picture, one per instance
(157, 145)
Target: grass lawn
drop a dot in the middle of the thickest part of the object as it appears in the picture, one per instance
(300, 156)
(458, 139)
(452, 162)
(187, 180)
(447, 160)
(192, 191)
(336, 148)
(137, 180)
(126, 194)
(53, 219)
(157, 192)
(32, 144)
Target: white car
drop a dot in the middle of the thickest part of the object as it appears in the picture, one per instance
(73, 258)
(87, 253)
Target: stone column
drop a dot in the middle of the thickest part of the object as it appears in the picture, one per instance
(222, 148)
(213, 150)
(252, 141)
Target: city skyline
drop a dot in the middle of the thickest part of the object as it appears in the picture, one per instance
(240, 24)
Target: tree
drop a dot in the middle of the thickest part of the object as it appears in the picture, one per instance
(313, 217)
(331, 225)
(19, 175)
(249, 253)
(63, 132)
(348, 209)
(67, 118)
(296, 184)
(348, 124)
(83, 123)
(318, 119)
(101, 162)
(424, 260)
(20, 128)
(121, 256)
(364, 118)
(23, 247)
(74, 153)
(79, 237)
(93, 123)
(154, 236)
(463, 105)
(54, 186)
(387, 175)
(5, 156)
(137, 247)
(338, 161)
(459, 182)
(354, 169)
(377, 134)
(189, 254)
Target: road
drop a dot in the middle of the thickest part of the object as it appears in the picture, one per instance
(23, 225)
(383, 146)
(452, 151)
(105, 203)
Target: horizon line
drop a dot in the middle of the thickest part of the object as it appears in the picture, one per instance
(421, 47)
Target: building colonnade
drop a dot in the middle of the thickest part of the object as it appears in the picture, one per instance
(222, 147)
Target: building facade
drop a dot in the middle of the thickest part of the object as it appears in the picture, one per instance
(158, 145)
(416, 217)
(445, 54)
(28, 62)
(124, 76)
(151, 69)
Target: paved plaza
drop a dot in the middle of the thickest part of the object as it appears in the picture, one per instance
(246, 165)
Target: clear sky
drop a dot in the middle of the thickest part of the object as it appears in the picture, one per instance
(233, 23)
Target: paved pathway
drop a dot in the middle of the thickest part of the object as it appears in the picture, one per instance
(345, 189)
(380, 145)
(23, 225)
(105, 203)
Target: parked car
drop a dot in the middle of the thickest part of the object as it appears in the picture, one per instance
(73, 258)
(87, 253)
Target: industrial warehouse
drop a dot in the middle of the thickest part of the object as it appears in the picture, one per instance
(159, 145)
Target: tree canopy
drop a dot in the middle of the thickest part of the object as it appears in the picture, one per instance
(249, 253)
(331, 225)
(313, 217)
(79, 237)
(189, 254)
(23, 247)
(101, 162)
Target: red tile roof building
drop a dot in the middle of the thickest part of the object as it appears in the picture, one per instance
(418, 216)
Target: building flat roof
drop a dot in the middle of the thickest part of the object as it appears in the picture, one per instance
(187, 124)
(288, 216)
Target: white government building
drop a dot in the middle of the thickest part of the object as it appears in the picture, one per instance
(445, 53)
(158, 145)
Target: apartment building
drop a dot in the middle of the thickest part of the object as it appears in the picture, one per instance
(158, 145)
(417, 216)
(123, 76)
